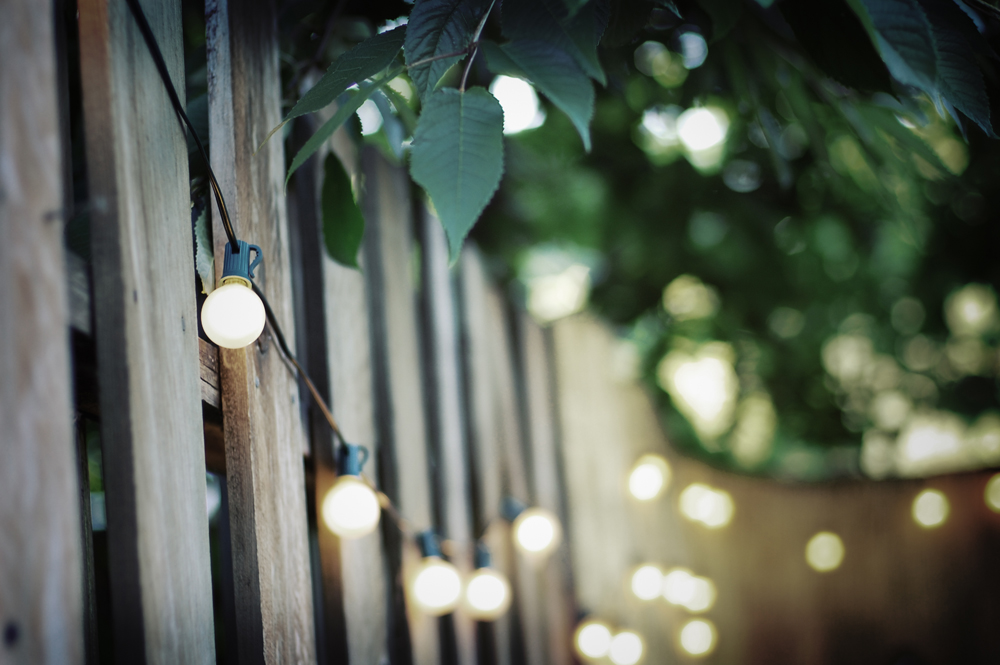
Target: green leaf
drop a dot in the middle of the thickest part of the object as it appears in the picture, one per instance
(573, 6)
(931, 45)
(392, 128)
(553, 72)
(437, 27)
(204, 255)
(343, 223)
(625, 19)
(402, 107)
(886, 121)
(363, 61)
(724, 14)
(458, 157)
(577, 35)
(326, 130)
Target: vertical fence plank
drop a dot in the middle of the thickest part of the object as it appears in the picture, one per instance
(147, 338)
(41, 605)
(263, 427)
(389, 251)
(443, 347)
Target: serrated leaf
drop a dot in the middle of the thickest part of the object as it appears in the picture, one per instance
(577, 35)
(402, 107)
(392, 127)
(931, 45)
(204, 255)
(343, 223)
(326, 130)
(457, 157)
(437, 27)
(553, 72)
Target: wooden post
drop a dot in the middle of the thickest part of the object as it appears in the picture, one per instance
(400, 404)
(146, 330)
(443, 345)
(41, 586)
(263, 428)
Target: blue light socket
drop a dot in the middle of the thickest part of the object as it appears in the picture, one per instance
(511, 508)
(428, 542)
(351, 459)
(239, 265)
(483, 558)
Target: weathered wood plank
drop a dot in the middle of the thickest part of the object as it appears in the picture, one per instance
(452, 481)
(146, 333)
(41, 585)
(400, 406)
(264, 433)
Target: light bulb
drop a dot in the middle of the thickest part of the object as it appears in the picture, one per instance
(487, 594)
(647, 581)
(537, 532)
(592, 639)
(992, 493)
(649, 477)
(930, 509)
(233, 315)
(697, 637)
(692, 592)
(350, 508)
(436, 586)
(825, 552)
(626, 648)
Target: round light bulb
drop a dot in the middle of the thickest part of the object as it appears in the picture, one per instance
(487, 594)
(537, 532)
(647, 581)
(233, 315)
(436, 586)
(825, 552)
(697, 637)
(992, 493)
(626, 648)
(649, 477)
(593, 639)
(350, 508)
(930, 509)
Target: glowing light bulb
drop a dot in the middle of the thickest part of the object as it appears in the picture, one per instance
(537, 532)
(825, 552)
(695, 594)
(930, 509)
(233, 315)
(647, 581)
(350, 508)
(521, 110)
(593, 639)
(487, 594)
(626, 648)
(697, 637)
(702, 128)
(436, 586)
(649, 477)
(711, 507)
(992, 493)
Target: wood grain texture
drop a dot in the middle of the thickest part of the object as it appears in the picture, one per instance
(146, 333)
(41, 583)
(389, 253)
(264, 433)
(452, 480)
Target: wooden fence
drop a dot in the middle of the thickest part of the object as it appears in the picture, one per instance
(462, 399)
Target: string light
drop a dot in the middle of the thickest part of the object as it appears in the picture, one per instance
(697, 637)
(233, 316)
(825, 552)
(930, 509)
(592, 639)
(992, 493)
(709, 506)
(436, 586)
(649, 477)
(626, 648)
(350, 508)
(537, 532)
(487, 593)
(647, 581)
(692, 592)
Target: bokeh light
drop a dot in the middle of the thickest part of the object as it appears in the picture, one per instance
(694, 49)
(649, 477)
(593, 639)
(697, 637)
(487, 594)
(647, 582)
(537, 532)
(370, 116)
(825, 552)
(702, 128)
(992, 493)
(703, 386)
(972, 310)
(521, 109)
(931, 443)
(350, 508)
(711, 507)
(436, 586)
(626, 648)
(692, 592)
(654, 60)
(930, 509)
(687, 297)
(552, 297)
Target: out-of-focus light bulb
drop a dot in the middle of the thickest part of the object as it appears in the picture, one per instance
(649, 477)
(992, 493)
(537, 532)
(711, 507)
(233, 315)
(702, 128)
(692, 592)
(592, 639)
(626, 648)
(436, 586)
(647, 581)
(930, 509)
(487, 594)
(517, 97)
(350, 508)
(825, 552)
(697, 637)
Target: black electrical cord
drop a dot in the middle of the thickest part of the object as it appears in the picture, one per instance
(161, 66)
